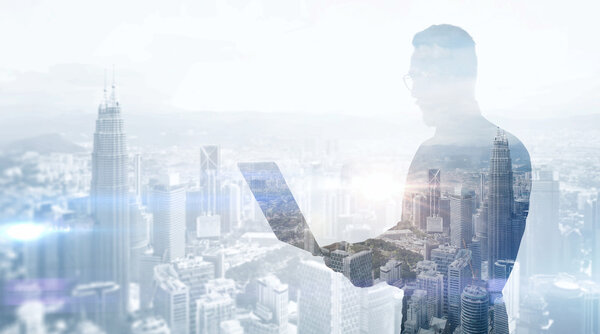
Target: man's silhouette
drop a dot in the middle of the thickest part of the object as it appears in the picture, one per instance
(442, 79)
(466, 199)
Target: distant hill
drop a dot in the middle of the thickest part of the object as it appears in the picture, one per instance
(46, 143)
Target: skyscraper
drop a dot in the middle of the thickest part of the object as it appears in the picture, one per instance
(193, 209)
(337, 260)
(137, 174)
(500, 273)
(461, 219)
(358, 268)
(482, 183)
(171, 301)
(500, 201)
(210, 161)
(420, 211)
(377, 309)
(328, 302)
(543, 227)
(271, 314)
(474, 310)
(231, 204)
(443, 256)
(516, 231)
(475, 248)
(432, 282)
(139, 235)
(459, 276)
(148, 261)
(591, 306)
(95, 301)
(445, 214)
(480, 223)
(212, 309)
(500, 317)
(417, 315)
(109, 197)
(391, 272)
(434, 192)
(169, 219)
(194, 272)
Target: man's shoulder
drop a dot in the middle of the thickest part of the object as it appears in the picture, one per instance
(472, 150)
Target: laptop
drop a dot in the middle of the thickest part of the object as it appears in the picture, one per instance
(278, 205)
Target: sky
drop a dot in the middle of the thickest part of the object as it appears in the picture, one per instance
(536, 58)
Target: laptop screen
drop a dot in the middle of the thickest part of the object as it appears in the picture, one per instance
(278, 205)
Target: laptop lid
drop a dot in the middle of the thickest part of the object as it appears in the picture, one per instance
(278, 205)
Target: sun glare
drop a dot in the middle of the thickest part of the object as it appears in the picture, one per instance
(23, 231)
(378, 186)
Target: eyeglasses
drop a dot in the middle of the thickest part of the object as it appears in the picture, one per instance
(409, 78)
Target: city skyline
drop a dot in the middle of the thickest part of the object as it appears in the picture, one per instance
(237, 184)
(139, 172)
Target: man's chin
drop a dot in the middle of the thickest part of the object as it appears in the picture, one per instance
(429, 119)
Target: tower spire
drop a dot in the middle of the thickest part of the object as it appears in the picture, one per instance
(105, 91)
(113, 97)
(500, 135)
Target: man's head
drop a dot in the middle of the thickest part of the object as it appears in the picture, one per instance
(443, 72)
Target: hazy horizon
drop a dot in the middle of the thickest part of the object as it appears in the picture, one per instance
(345, 57)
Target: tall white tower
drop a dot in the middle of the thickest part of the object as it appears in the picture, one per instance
(169, 218)
(109, 195)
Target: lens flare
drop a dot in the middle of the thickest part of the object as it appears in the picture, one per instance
(23, 231)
